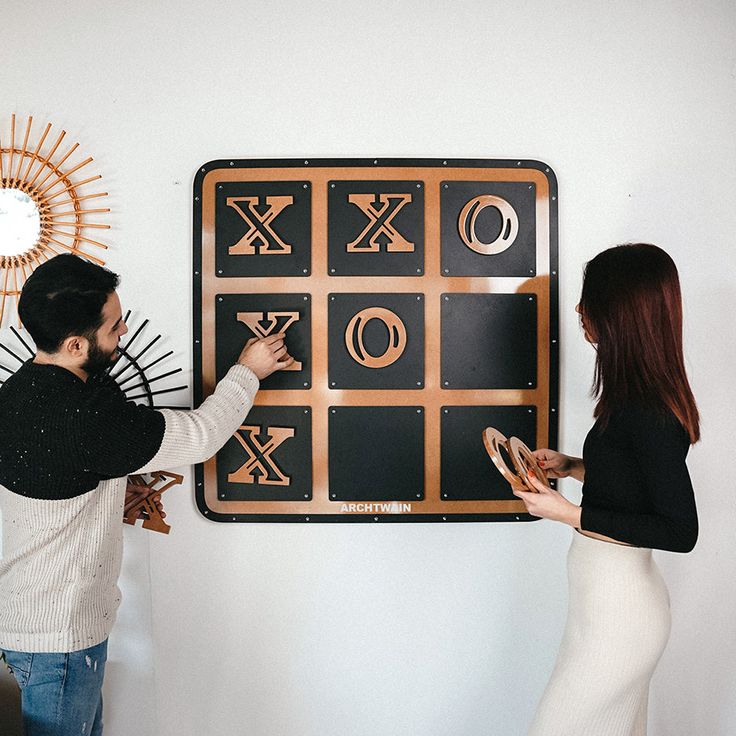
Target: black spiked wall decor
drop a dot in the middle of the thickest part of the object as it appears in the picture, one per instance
(133, 370)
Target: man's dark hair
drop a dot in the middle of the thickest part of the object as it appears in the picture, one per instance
(62, 297)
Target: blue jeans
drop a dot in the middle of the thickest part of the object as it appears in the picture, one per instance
(61, 693)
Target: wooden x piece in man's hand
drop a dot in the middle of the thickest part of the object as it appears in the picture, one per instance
(143, 499)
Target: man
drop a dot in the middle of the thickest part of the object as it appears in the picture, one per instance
(67, 444)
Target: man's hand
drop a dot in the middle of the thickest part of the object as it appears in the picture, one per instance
(134, 494)
(265, 355)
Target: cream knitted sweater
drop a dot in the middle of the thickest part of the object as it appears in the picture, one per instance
(61, 557)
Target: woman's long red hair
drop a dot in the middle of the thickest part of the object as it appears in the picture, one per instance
(632, 308)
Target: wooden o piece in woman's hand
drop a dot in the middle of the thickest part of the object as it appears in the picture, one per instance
(493, 440)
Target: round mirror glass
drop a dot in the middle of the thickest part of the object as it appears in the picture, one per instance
(20, 222)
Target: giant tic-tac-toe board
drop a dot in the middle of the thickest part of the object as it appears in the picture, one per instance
(419, 300)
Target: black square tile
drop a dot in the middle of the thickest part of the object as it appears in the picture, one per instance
(489, 341)
(263, 228)
(375, 228)
(488, 228)
(376, 453)
(239, 317)
(269, 458)
(467, 472)
(376, 341)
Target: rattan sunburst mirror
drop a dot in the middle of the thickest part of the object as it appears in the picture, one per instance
(44, 206)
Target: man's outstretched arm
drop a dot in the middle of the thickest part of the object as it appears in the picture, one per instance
(132, 439)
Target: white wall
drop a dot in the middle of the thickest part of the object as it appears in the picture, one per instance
(403, 630)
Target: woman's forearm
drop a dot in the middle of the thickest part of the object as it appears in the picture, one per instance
(577, 468)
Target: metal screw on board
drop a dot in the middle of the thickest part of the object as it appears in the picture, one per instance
(445, 186)
(305, 186)
(332, 186)
(446, 270)
(232, 163)
(305, 270)
(332, 270)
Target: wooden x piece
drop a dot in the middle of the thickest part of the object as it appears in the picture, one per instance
(143, 506)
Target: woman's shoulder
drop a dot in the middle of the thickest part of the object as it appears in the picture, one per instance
(648, 421)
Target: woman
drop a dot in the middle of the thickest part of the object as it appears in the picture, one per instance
(637, 497)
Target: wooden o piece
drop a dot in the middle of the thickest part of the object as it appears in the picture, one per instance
(494, 441)
(526, 464)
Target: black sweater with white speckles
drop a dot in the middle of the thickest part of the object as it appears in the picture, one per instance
(61, 436)
(65, 449)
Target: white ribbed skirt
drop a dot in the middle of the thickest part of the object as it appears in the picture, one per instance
(617, 627)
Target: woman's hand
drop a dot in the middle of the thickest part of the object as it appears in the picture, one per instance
(549, 504)
(265, 355)
(557, 465)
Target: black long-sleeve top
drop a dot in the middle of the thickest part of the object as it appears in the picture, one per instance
(637, 487)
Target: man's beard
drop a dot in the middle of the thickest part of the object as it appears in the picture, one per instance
(98, 361)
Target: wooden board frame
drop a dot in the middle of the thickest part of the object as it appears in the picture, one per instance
(542, 284)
